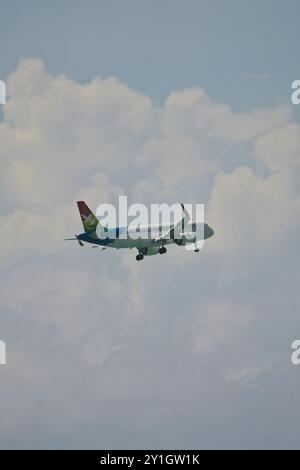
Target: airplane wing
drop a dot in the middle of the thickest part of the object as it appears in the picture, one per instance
(175, 231)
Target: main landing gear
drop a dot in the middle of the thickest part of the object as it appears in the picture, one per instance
(139, 257)
(162, 250)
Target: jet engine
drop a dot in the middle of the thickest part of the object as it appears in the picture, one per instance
(185, 238)
(151, 250)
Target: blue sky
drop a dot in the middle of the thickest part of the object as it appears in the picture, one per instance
(242, 53)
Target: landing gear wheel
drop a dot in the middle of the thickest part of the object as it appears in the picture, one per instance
(139, 257)
(197, 250)
(162, 250)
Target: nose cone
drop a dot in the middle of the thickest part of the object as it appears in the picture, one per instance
(208, 231)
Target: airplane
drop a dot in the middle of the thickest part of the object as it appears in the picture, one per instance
(147, 239)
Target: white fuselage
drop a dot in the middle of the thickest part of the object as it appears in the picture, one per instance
(140, 236)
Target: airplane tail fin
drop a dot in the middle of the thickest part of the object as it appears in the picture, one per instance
(89, 220)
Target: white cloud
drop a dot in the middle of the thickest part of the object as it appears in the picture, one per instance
(279, 148)
(247, 374)
(249, 211)
(193, 112)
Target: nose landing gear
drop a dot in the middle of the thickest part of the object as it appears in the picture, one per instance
(162, 250)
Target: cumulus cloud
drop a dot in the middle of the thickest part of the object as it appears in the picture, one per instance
(279, 148)
(99, 345)
(250, 212)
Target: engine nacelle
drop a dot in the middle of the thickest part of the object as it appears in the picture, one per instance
(186, 238)
(151, 250)
(189, 237)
